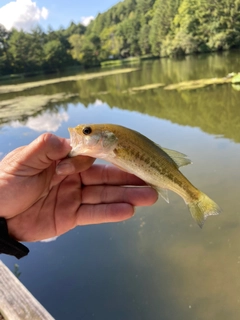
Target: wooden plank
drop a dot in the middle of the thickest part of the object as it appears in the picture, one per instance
(16, 302)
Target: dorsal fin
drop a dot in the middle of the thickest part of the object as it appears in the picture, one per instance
(178, 157)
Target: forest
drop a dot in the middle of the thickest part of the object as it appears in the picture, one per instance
(131, 28)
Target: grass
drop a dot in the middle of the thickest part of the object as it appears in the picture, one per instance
(120, 62)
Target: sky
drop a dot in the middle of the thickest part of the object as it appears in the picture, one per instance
(25, 14)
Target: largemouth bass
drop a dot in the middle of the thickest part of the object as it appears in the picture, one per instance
(133, 152)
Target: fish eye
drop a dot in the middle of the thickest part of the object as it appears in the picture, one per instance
(87, 130)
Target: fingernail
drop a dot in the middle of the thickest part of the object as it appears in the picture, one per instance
(64, 168)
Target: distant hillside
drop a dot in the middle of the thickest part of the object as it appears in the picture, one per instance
(162, 28)
(130, 28)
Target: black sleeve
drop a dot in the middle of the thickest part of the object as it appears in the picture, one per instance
(8, 245)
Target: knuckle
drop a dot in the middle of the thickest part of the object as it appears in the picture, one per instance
(44, 138)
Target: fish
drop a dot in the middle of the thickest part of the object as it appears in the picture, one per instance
(133, 152)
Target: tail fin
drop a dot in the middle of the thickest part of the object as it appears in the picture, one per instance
(202, 208)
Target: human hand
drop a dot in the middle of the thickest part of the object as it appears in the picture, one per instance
(42, 196)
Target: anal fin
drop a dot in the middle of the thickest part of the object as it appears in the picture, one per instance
(163, 193)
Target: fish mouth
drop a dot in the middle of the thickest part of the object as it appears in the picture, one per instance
(74, 152)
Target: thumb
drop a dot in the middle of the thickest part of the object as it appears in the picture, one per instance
(39, 154)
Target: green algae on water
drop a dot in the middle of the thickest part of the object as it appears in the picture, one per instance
(87, 76)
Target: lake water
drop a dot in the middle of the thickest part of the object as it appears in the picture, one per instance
(159, 264)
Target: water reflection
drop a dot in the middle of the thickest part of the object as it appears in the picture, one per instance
(214, 109)
(43, 122)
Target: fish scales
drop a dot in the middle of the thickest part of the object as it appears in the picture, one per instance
(139, 159)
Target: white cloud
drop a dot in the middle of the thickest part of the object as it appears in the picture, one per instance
(86, 20)
(22, 14)
(45, 122)
(98, 102)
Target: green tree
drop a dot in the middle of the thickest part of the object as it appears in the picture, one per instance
(144, 10)
(202, 25)
(76, 41)
(26, 50)
(89, 56)
(4, 36)
(220, 23)
(129, 31)
(97, 25)
(144, 39)
(164, 13)
(184, 36)
(74, 29)
(5, 65)
(111, 43)
(56, 53)
(84, 49)
(19, 44)
(36, 52)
